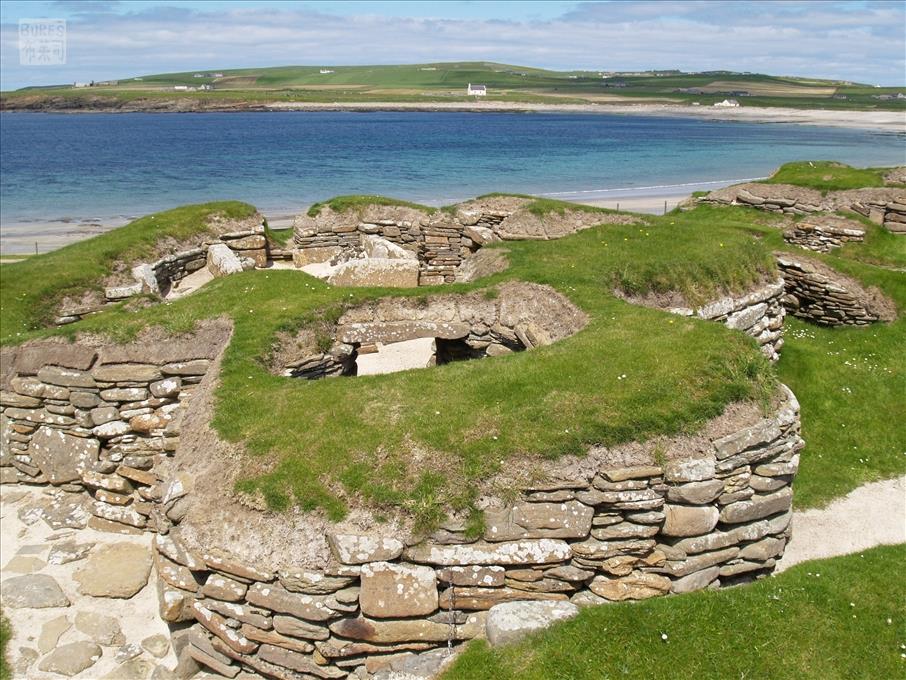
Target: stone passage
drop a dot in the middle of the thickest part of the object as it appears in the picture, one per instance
(398, 245)
(885, 206)
(824, 233)
(511, 318)
(815, 292)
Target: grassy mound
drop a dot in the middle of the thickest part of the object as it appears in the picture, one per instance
(827, 176)
(32, 289)
(836, 618)
(361, 201)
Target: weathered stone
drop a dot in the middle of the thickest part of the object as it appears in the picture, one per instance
(216, 560)
(68, 551)
(186, 368)
(297, 662)
(278, 599)
(571, 519)
(221, 261)
(62, 457)
(406, 630)
(779, 469)
(104, 414)
(757, 507)
(216, 665)
(635, 472)
(63, 377)
(168, 387)
(217, 625)
(684, 520)
(593, 549)
(156, 645)
(711, 541)
(472, 576)
(696, 493)
(113, 483)
(116, 570)
(635, 586)
(541, 551)
(32, 591)
(51, 632)
(312, 582)
(303, 257)
(768, 484)
(71, 511)
(383, 272)
(174, 605)
(512, 621)
(173, 548)
(698, 562)
(696, 581)
(175, 574)
(129, 516)
(105, 630)
(624, 530)
(288, 625)
(271, 637)
(18, 400)
(763, 433)
(469, 597)
(397, 590)
(223, 588)
(134, 373)
(71, 659)
(24, 564)
(763, 550)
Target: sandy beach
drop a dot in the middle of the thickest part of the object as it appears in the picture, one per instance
(891, 121)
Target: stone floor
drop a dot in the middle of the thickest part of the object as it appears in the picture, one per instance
(82, 603)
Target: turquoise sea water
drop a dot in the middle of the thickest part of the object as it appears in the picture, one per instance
(112, 166)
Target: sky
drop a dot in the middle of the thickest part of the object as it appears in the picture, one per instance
(860, 40)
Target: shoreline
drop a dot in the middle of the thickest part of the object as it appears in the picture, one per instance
(20, 238)
(886, 120)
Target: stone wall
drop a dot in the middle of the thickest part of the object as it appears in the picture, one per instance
(825, 233)
(885, 206)
(817, 293)
(440, 239)
(95, 422)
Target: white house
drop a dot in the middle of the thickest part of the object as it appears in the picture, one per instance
(477, 90)
(81, 84)
(727, 104)
(324, 71)
(181, 88)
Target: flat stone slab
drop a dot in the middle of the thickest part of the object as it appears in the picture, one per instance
(33, 591)
(117, 570)
(512, 621)
(60, 456)
(71, 659)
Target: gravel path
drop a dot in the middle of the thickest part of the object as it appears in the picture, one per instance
(873, 514)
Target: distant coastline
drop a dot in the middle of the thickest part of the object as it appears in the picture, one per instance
(890, 121)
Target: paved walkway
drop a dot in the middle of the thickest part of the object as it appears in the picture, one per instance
(873, 514)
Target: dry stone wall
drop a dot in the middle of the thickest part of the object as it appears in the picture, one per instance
(441, 240)
(825, 233)
(817, 293)
(885, 206)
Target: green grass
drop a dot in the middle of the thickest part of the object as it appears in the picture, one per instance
(6, 633)
(469, 420)
(32, 289)
(823, 620)
(827, 176)
(360, 202)
(546, 206)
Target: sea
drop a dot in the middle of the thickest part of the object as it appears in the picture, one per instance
(108, 168)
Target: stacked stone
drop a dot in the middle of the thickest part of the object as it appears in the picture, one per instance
(758, 314)
(824, 234)
(340, 360)
(814, 293)
(250, 245)
(626, 534)
(95, 423)
(891, 214)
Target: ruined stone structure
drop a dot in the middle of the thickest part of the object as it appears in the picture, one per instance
(439, 239)
(102, 425)
(512, 318)
(815, 292)
(885, 206)
(824, 233)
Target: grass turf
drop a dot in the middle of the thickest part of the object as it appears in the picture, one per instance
(6, 633)
(827, 176)
(822, 620)
(31, 290)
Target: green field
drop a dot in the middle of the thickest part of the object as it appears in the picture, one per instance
(446, 82)
(828, 619)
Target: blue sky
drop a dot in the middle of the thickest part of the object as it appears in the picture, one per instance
(861, 40)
